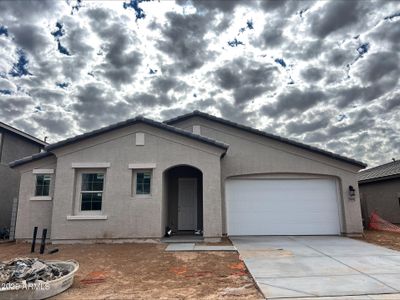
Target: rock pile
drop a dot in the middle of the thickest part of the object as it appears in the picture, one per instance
(29, 270)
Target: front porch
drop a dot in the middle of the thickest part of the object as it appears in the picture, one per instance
(183, 191)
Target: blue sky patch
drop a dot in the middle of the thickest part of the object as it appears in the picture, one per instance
(235, 42)
(362, 49)
(134, 4)
(281, 62)
(5, 92)
(341, 117)
(20, 68)
(3, 30)
(76, 7)
(62, 85)
(62, 49)
(59, 32)
(391, 17)
(250, 24)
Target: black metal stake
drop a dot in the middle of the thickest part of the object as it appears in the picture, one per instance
(35, 229)
(43, 244)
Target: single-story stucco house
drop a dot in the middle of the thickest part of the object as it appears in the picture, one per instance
(380, 192)
(134, 179)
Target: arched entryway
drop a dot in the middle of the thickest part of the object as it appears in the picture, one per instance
(183, 191)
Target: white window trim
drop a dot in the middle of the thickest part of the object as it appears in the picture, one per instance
(34, 197)
(142, 166)
(87, 217)
(134, 181)
(91, 165)
(41, 198)
(91, 212)
(43, 171)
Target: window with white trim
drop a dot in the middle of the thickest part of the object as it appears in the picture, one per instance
(42, 187)
(142, 182)
(92, 188)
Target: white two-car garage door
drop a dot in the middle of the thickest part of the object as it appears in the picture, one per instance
(282, 207)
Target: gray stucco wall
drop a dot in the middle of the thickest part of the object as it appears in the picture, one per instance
(9, 183)
(33, 213)
(382, 197)
(15, 147)
(251, 154)
(12, 147)
(128, 216)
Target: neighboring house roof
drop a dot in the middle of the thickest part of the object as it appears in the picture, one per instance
(30, 158)
(382, 172)
(129, 122)
(22, 134)
(265, 134)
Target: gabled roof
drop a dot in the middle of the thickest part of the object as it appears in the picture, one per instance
(197, 113)
(136, 120)
(382, 172)
(22, 134)
(129, 122)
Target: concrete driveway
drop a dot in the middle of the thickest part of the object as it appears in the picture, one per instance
(320, 266)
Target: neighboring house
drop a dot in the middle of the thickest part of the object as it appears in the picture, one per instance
(14, 144)
(195, 172)
(380, 192)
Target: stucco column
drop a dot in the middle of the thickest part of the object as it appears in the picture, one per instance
(212, 202)
(352, 209)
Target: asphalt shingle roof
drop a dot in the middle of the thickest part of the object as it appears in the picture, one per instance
(380, 172)
(268, 135)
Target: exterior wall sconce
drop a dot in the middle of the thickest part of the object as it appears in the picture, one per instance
(352, 192)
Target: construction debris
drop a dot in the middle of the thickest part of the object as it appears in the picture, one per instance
(23, 271)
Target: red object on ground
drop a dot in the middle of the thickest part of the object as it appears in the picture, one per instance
(377, 223)
(94, 277)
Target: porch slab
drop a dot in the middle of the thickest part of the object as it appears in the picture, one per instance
(183, 239)
(193, 247)
(214, 248)
(180, 247)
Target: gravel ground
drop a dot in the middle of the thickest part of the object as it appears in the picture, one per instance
(387, 239)
(146, 271)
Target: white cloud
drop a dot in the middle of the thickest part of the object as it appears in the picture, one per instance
(297, 72)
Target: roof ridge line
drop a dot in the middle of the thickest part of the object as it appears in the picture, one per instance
(132, 121)
(266, 134)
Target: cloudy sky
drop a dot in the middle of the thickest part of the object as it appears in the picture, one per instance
(325, 73)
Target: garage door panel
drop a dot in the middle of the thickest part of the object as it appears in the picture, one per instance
(282, 207)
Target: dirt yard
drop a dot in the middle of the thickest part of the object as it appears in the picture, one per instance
(144, 271)
(382, 238)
